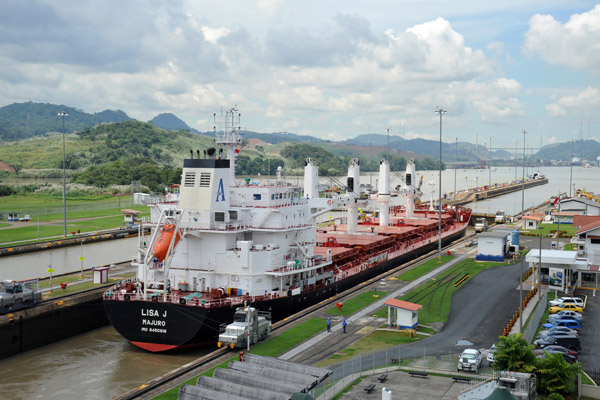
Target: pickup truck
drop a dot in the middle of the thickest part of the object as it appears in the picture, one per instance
(26, 218)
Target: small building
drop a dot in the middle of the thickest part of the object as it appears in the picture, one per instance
(101, 274)
(402, 314)
(141, 199)
(532, 222)
(559, 268)
(589, 235)
(580, 205)
(564, 217)
(492, 246)
(131, 216)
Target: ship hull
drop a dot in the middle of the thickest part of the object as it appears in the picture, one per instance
(158, 326)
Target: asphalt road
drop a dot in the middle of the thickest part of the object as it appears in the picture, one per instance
(479, 312)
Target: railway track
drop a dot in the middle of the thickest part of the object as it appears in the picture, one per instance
(196, 367)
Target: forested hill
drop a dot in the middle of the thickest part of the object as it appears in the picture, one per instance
(24, 120)
(587, 149)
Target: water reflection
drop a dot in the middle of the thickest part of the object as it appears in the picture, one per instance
(95, 365)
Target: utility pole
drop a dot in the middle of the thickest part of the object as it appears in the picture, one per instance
(522, 258)
(63, 114)
(455, 166)
(440, 112)
(490, 166)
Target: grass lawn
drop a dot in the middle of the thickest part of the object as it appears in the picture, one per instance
(436, 303)
(548, 230)
(377, 340)
(423, 269)
(271, 347)
(357, 303)
(29, 232)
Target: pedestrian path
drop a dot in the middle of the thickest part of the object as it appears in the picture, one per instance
(370, 309)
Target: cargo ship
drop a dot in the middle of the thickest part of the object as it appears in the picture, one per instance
(220, 243)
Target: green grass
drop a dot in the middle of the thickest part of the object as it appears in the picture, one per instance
(436, 303)
(357, 303)
(547, 230)
(4, 224)
(425, 329)
(376, 340)
(423, 269)
(102, 219)
(272, 347)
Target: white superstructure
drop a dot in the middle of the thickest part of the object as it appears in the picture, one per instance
(255, 238)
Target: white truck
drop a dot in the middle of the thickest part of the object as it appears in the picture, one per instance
(481, 225)
(26, 218)
(500, 217)
(248, 323)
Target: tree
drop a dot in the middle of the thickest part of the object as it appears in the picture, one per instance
(513, 353)
(555, 375)
(17, 167)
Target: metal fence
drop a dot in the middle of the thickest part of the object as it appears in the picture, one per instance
(391, 358)
(535, 318)
(71, 208)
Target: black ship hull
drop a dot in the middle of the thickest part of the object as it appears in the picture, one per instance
(158, 326)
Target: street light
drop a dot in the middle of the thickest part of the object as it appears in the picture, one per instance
(455, 166)
(440, 112)
(63, 114)
(522, 258)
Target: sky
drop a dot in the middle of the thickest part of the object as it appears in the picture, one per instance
(331, 69)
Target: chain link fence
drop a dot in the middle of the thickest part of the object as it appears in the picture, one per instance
(391, 358)
(71, 208)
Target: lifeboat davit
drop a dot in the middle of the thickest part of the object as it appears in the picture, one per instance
(164, 241)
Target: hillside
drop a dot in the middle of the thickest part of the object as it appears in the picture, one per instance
(24, 120)
(584, 149)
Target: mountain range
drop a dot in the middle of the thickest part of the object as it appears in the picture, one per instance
(20, 121)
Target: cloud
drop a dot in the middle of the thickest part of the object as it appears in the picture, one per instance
(575, 44)
(584, 103)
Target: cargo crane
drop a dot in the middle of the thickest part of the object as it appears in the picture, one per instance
(248, 324)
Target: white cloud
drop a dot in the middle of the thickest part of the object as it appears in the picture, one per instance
(552, 140)
(213, 35)
(584, 103)
(575, 44)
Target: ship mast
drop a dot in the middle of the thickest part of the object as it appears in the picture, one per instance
(228, 135)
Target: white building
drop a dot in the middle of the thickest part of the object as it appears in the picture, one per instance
(492, 246)
(406, 313)
(580, 205)
(532, 222)
(589, 236)
(560, 268)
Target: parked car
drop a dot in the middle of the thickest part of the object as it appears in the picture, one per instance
(558, 349)
(557, 329)
(26, 218)
(491, 354)
(566, 306)
(567, 300)
(567, 358)
(557, 333)
(570, 342)
(569, 323)
(566, 314)
(470, 360)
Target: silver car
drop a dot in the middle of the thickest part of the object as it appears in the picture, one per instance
(470, 360)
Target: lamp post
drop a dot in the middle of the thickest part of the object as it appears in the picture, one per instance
(63, 114)
(440, 112)
(522, 258)
(571, 177)
(388, 148)
(455, 165)
(371, 160)
(490, 166)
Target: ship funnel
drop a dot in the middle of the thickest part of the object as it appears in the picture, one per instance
(354, 192)
(410, 191)
(311, 179)
(383, 196)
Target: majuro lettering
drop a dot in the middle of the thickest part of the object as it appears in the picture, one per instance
(149, 324)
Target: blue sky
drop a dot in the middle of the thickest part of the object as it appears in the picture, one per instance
(332, 69)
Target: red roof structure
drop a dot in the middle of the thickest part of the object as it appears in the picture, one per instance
(406, 305)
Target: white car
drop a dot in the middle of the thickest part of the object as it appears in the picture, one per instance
(566, 300)
(491, 354)
(470, 360)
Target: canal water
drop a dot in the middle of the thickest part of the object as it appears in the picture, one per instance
(101, 364)
(95, 365)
